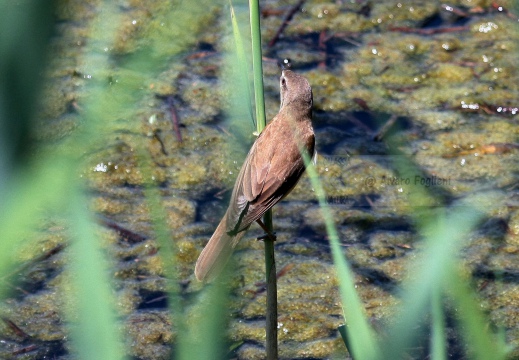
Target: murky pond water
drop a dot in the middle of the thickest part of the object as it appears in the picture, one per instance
(448, 80)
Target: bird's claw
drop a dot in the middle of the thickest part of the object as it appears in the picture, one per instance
(271, 236)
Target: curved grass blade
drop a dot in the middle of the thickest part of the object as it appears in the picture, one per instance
(96, 334)
(445, 231)
(246, 96)
(483, 344)
(361, 337)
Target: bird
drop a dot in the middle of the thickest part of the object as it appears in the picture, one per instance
(270, 171)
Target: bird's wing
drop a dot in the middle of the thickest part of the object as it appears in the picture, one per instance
(270, 171)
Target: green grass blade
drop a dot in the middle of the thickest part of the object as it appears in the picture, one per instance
(31, 190)
(438, 341)
(445, 236)
(25, 29)
(243, 78)
(445, 231)
(204, 338)
(199, 328)
(257, 65)
(362, 338)
(95, 335)
(482, 343)
(167, 249)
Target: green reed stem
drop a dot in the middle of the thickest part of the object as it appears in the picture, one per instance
(270, 262)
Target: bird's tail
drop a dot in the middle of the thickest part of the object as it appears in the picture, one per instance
(216, 253)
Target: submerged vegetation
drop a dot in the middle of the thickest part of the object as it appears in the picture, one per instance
(115, 165)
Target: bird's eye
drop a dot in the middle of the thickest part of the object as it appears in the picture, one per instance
(283, 82)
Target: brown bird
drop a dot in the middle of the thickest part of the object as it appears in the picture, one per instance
(270, 171)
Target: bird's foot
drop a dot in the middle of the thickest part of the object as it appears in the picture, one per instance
(268, 234)
(271, 236)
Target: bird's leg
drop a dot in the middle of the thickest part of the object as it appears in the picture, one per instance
(268, 234)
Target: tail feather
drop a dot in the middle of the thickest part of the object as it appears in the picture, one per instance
(216, 253)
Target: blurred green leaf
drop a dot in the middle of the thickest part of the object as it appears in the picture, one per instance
(438, 341)
(482, 343)
(243, 78)
(361, 338)
(95, 333)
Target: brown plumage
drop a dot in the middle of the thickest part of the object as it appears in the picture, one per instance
(270, 171)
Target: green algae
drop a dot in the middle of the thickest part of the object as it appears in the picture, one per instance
(149, 334)
(423, 77)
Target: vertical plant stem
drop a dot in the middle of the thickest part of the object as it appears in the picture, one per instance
(271, 325)
(270, 262)
(438, 341)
